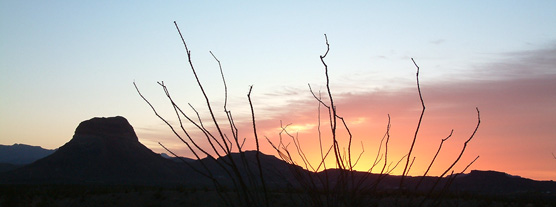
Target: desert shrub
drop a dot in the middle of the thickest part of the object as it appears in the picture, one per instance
(337, 185)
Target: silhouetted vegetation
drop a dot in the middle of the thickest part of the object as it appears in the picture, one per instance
(248, 184)
(129, 195)
(341, 187)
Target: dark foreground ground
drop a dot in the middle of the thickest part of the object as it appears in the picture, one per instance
(79, 195)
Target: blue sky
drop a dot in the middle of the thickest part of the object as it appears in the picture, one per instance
(62, 62)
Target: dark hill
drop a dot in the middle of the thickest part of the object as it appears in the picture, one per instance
(21, 154)
(107, 151)
(103, 150)
(276, 172)
(492, 182)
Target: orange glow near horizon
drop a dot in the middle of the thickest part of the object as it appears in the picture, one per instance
(365, 144)
(499, 141)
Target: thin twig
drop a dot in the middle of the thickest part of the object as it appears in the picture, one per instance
(457, 159)
(418, 125)
(433, 159)
(258, 147)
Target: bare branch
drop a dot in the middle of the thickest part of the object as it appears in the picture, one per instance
(223, 81)
(469, 165)
(349, 162)
(433, 159)
(258, 156)
(418, 124)
(465, 144)
(360, 154)
(332, 110)
(458, 158)
(209, 106)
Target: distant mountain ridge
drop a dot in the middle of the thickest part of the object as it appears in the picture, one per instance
(107, 151)
(22, 154)
(493, 182)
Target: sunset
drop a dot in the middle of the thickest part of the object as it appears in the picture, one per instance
(64, 62)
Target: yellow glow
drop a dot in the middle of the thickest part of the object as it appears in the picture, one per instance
(299, 128)
(359, 120)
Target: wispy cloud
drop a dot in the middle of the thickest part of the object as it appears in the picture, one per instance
(437, 41)
(515, 96)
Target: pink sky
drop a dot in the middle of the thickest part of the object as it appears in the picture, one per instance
(61, 64)
(516, 99)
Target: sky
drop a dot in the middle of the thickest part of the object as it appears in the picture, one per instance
(63, 62)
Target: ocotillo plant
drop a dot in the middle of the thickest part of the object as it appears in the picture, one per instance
(317, 183)
(346, 187)
(249, 190)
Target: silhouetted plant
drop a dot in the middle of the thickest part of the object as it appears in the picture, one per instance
(346, 187)
(316, 183)
(250, 190)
